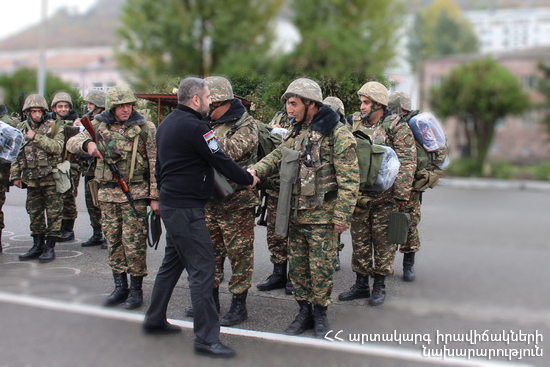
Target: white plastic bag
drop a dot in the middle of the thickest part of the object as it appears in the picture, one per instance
(10, 142)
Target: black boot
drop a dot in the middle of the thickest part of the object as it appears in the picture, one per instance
(408, 267)
(135, 298)
(120, 293)
(104, 245)
(237, 313)
(303, 321)
(359, 290)
(378, 291)
(96, 239)
(36, 249)
(215, 293)
(289, 287)
(276, 280)
(67, 232)
(48, 254)
(320, 321)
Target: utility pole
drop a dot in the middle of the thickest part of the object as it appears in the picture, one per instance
(41, 77)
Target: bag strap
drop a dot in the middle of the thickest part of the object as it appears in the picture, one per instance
(134, 154)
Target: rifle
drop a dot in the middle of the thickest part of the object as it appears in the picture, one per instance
(115, 171)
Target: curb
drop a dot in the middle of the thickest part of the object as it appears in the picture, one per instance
(495, 184)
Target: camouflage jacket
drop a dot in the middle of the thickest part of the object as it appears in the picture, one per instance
(337, 209)
(400, 138)
(146, 189)
(237, 135)
(281, 119)
(38, 156)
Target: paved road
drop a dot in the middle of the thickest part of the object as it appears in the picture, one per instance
(482, 267)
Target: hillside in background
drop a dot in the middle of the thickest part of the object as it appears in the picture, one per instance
(94, 28)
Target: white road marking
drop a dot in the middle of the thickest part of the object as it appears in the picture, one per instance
(365, 349)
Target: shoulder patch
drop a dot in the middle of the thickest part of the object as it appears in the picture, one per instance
(211, 141)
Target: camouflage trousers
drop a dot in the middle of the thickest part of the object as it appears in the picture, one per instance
(413, 208)
(4, 187)
(275, 244)
(69, 198)
(44, 201)
(232, 235)
(93, 211)
(126, 235)
(311, 257)
(372, 252)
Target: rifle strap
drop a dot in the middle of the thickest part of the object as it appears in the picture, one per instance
(133, 162)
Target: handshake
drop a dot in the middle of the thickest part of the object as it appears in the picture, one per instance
(256, 179)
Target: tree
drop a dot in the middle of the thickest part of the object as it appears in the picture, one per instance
(178, 38)
(23, 82)
(478, 94)
(440, 30)
(344, 44)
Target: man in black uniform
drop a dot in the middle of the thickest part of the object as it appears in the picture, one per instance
(187, 152)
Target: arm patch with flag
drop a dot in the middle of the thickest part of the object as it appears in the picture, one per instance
(211, 141)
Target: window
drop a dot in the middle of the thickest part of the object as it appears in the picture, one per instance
(97, 86)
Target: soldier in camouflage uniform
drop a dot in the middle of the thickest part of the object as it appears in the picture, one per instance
(231, 223)
(126, 138)
(96, 105)
(372, 253)
(338, 106)
(4, 167)
(34, 167)
(400, 104)
(276, 245)
(322, 198)
(63, 113)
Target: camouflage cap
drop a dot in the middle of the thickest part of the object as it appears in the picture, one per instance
(336, 104)
(375, 92)
(35, 101)
(96, 97)
(118, 95)
(404, 98)
(303, 88)
(62, 97)
(220, 88)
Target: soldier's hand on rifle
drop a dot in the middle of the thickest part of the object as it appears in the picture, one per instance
(339, 229)
(155, 206)
(30, 134)
(18, 183)
(93, 151)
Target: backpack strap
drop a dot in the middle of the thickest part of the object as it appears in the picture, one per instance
(134, 154)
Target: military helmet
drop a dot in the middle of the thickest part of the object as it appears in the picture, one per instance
(62, 97)
(220, 88)
(375, 92)
(96, 97)
(118, 95)
(303, 88)
(404, 98)
(336, 104)
(35, 101)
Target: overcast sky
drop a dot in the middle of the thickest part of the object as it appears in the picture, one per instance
(20, 14)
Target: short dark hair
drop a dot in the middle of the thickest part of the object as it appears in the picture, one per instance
(190, 87)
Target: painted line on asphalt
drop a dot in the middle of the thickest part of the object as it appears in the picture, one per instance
(365, 349)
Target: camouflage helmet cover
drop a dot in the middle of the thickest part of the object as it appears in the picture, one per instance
(62, 97)
(119, 95)
(404, 98)
(35, 101)
(303, 88)
(220, 88)
(336, 104)
(96, 97)
(375, 92)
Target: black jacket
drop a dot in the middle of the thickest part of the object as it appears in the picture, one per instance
(185, 161)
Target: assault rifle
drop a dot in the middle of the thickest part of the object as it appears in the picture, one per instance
(115, 171)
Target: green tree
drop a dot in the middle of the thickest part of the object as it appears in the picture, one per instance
(478, 94)
(177, 38)
(23, 82)
(440, 30)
